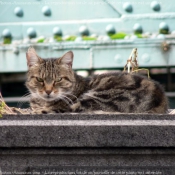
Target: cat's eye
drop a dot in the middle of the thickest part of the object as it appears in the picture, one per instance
(58, 79)
(39, 79)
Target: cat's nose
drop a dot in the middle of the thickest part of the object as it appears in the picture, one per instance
(48, 92)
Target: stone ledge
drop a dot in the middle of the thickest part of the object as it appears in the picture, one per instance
(102, 143)
(125, 159)
(82, 130)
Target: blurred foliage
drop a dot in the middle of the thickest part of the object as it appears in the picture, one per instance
(139, 36)
(41, 40)
(58, 38)
(2, 107)
(120, 35)
(7, 40)
(71, 38)
(88, 38)
(163, 31)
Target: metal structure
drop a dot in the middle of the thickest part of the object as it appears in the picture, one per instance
(36, 22)
(101, 33)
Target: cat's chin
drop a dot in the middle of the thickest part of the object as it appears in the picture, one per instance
(47, 98)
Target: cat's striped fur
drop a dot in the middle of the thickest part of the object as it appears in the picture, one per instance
(56, 88)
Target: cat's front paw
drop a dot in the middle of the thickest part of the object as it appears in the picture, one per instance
(37, 112)
(48, 111)
(76, 107)
(40, 111)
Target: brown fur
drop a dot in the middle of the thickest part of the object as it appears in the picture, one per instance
(56, 88)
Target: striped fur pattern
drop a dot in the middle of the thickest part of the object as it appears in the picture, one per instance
(56, 88)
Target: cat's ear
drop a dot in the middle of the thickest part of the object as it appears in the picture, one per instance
(67, 59)
(32, 57)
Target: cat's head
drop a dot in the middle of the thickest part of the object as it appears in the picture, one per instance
(49, 79)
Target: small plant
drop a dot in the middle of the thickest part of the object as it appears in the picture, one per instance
(41, 40)
(2, 106)
(132, 63)
(4, 109)
(88, 38)
(71, 38)
(58, 38)
(120, 35)
(139, 35)
(7, 40)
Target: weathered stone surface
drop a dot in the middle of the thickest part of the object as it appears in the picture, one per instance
(137, 159)
(131, 143)
(76, 130)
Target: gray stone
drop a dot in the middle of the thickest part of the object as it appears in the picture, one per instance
(99, 143)
(67, 130)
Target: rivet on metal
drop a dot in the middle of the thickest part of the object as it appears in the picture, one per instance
(137, 28)
(145, 58)
(133, 37)
(161, 36)
(106, 38)
(57, 31)
(16, 50)
(6, 33)
(155, 6)
(83, 30)
(110, 29)
(118, 58)
(78, 39)
(127, 6)
(18, 12)
(31, 32)
(163, 28)
(46, 11)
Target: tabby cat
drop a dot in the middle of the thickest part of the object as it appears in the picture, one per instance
(56, 88)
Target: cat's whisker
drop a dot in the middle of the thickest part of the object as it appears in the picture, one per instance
(25, 95)
(70, 95)
(68, 99)
(22, 100)
(62, 98)
(22, 103)
(88, 95)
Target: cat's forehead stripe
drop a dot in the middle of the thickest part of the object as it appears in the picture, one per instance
(48, 68)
